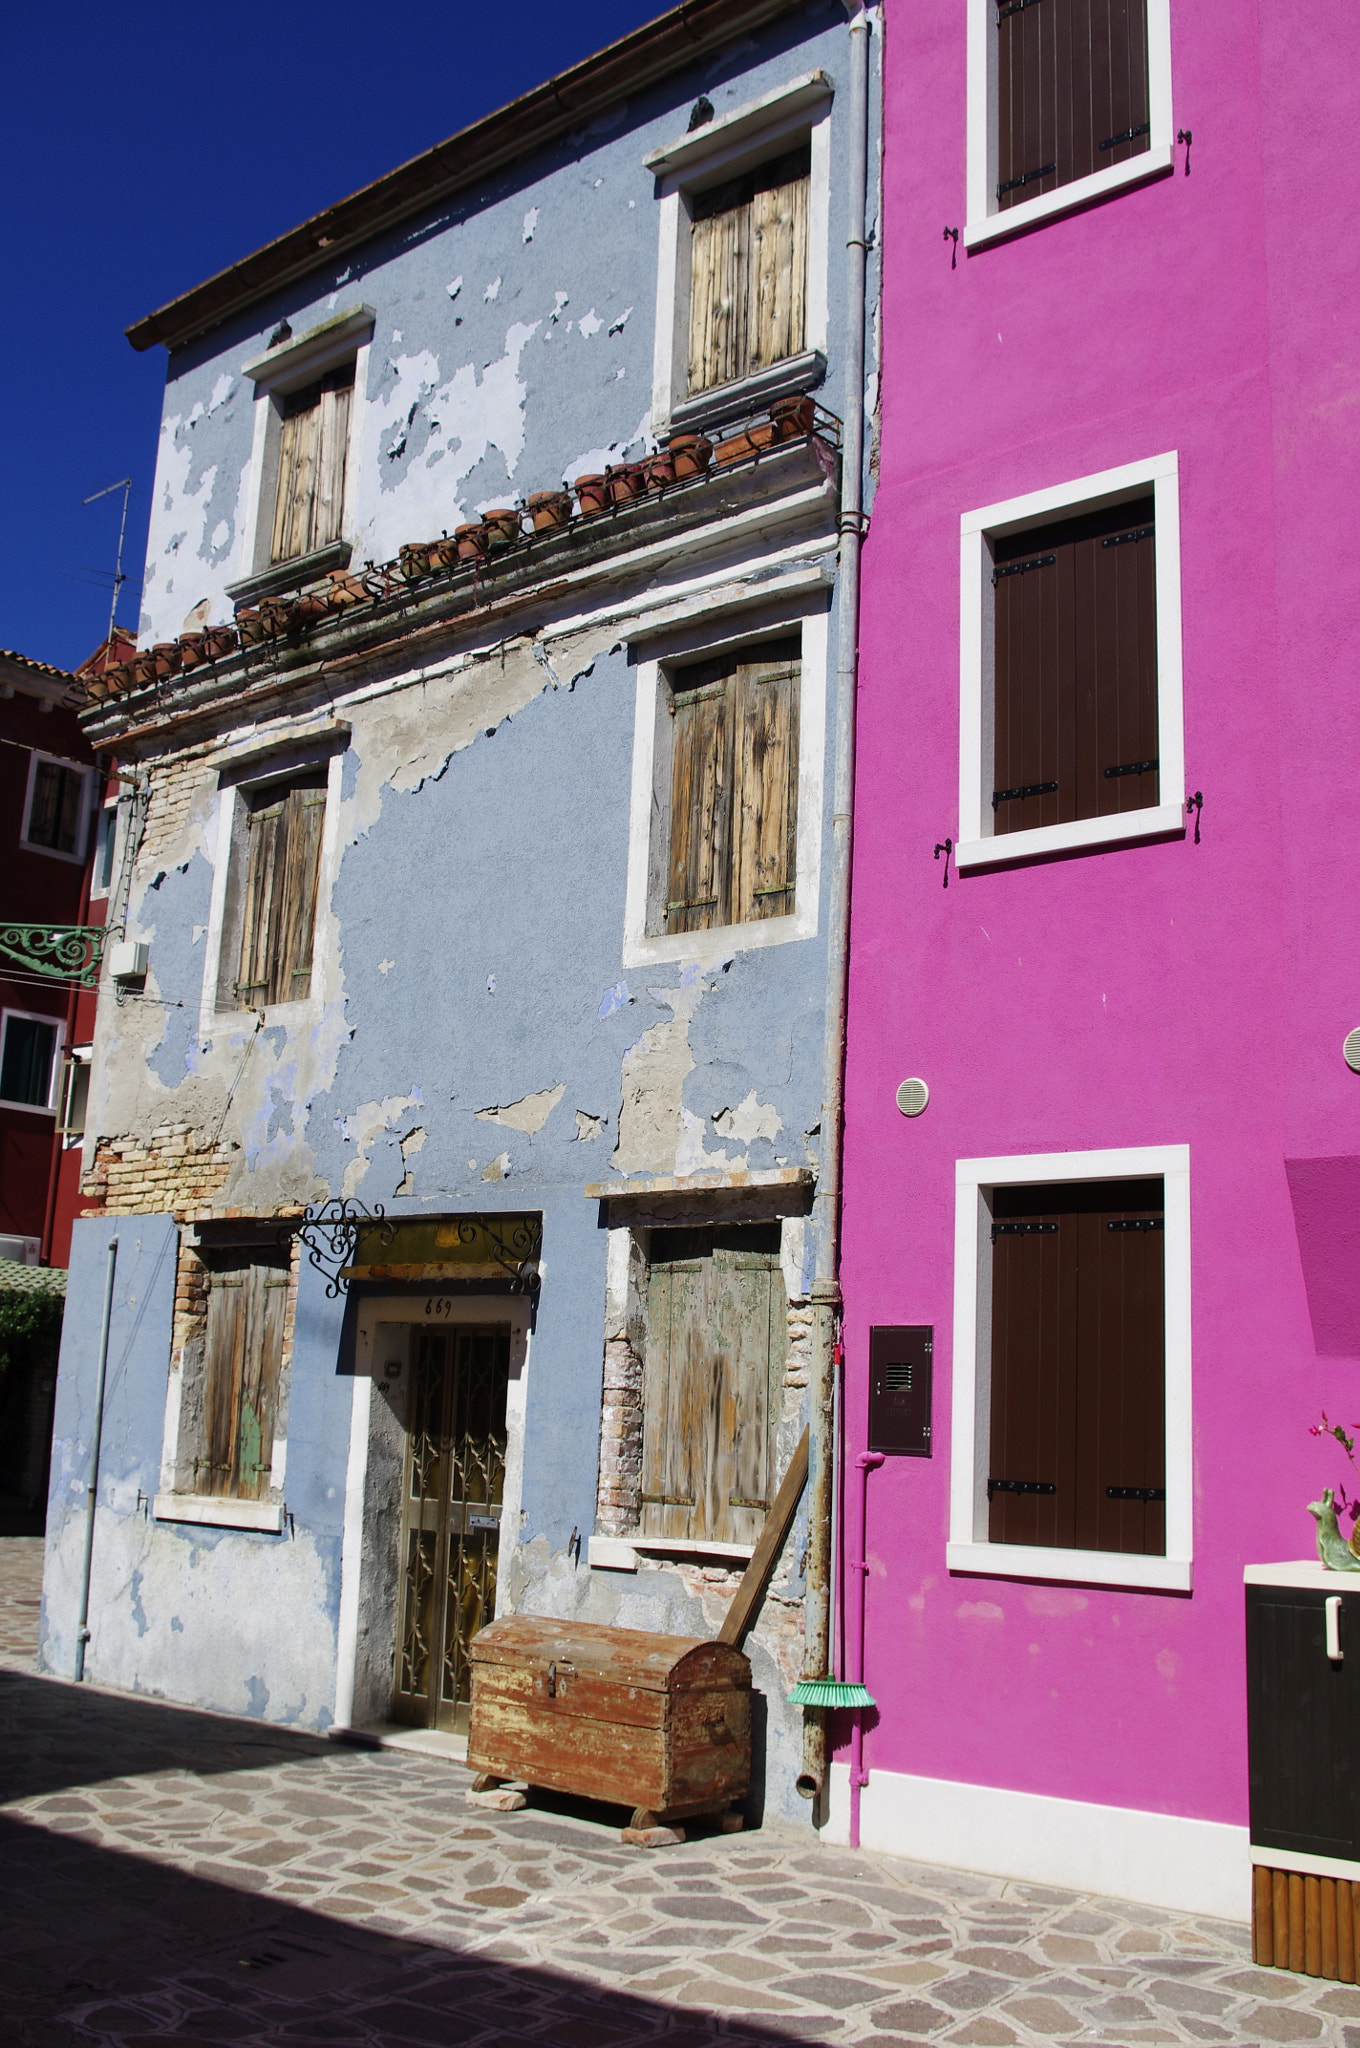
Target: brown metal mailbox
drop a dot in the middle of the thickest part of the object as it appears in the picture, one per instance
(658, 1723)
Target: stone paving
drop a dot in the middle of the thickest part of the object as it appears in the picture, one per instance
(171, 1877)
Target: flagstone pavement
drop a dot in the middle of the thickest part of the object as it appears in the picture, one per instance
(171, 1877)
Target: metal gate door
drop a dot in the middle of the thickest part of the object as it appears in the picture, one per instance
(451, 1516)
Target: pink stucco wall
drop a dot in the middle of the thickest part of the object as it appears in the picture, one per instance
(1168, 993)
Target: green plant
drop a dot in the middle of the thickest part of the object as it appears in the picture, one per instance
(29, 1321)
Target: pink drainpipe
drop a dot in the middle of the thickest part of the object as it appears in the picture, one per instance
(859, 1777)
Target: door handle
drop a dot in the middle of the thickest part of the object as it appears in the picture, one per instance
(1332, 1610)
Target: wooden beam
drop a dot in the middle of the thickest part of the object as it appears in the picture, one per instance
(750, 1593)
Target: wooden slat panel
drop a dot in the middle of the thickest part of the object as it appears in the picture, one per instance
(1312, 1925)
(266, 840)
(1297, 1947)
(776, 321)
(1327, 1960)
(719, 261)
(1345, 1931)
(699, 883)
(306, 812)
(298, 448)
(765, 820)
(1071, 75)
(594, 1759)
(266, 1299)
(580, 1695)
(328, 503)
(224, 1368)
(1262, 1917)
(243, 1360)
(1280, 1902)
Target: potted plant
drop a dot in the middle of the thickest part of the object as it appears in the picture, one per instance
(624, 482)
(592, 494)
(659, 470)
(414, 560)
(1335, 1551)
(219, 641)
(793, 417)
(502, 527)
(749, 441)
(548, 509)
(470, 541)
(193, 650)
(691, 454)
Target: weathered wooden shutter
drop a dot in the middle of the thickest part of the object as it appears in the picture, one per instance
(698, 886)
(284, 828)
(748, 272)
(313, 444)
(765, 809)
(1077, 1437)
(1072, 91)
(1075, 706)
(716, 1318)
(242, 1363)
(54, 814)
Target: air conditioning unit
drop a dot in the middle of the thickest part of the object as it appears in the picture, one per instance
(128, 960)
(23, 1251)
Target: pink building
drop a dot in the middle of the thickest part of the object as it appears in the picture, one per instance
(1112, 568)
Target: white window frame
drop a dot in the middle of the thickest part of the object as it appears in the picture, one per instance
(86, 774)
(644, 949)
(275, 766)
(986, 222)
(739, 141)
(48, 1108)
(968, 1549)
(275, 374)
(74, 1057)
(979, 844)
(107, 810)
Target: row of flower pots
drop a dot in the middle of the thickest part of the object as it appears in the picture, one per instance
(685, 457)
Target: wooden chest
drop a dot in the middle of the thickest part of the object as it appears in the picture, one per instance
(658, 1723)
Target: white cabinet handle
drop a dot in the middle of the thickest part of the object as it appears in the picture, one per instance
(1332, 1609)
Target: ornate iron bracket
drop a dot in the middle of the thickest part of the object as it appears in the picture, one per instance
(330, 1231)
(514, 1245)
(60, 952)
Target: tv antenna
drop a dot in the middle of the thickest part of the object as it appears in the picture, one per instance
(124, 485)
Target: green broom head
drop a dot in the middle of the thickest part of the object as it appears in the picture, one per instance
(830, 1692)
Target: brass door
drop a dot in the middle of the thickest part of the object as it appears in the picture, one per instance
(450, 1521)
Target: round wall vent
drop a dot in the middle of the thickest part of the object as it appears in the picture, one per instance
(1351, 1050)
(913, 1095)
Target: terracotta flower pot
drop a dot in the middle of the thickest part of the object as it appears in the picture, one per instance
(691, 454)
(793, 417)
(624, 482)
(659, 470)
(165, 656)
(444, 553)
(118, 677)
(592, 494)
(750, 442)
(470, 541)
(502, 527)
(219, 641)
(251, 626)
(414, 560)
(97, 687)
(548, 509)
(280, 615)
(312, 605)
(193, 650)
(345, 591)
(144, 669)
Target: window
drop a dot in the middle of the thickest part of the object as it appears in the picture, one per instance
(1069, 99)
(732, 809)
(1071, 707)
(716, 1336)
(228, 1431)
(28, 1060)
(313, 444)
(76, 1094)
(748, 271)
(283, 860)
(55, 818)
(743, 204)
(106, 839)
(1071, 1372)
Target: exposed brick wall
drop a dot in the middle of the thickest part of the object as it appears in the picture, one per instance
(620, 1485)
(172, 1172)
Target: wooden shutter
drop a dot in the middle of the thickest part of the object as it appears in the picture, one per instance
(284, 828)
(698, 884)
(765, 824)
(1072, 91)
(313, 445)
(1077, 1440)
(242, 1363)
(1075, 705)
(748, 272)
(716, 1317)
(54, 814)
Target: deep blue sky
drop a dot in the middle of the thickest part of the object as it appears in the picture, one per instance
(144, 148)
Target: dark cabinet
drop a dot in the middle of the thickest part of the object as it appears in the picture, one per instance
(1303, 1718)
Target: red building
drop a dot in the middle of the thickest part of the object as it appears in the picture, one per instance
(57, 870)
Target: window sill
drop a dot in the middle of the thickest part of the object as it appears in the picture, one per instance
(291, 575)
(32, 1108)
(213, 1512)
(1137, 170)
(75, 860)
(1079, 1567)
(744, 395)
(1003, 849)
(622, 1553)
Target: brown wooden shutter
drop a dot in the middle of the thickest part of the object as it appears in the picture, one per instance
(242, 1365)
(313, 446)
(1075, 692)
(701, 807)
(1077, 1436)
(765, 824)
(54, 814)
(1072, 91)
(716, 1320)
(284, 829)
(748, 272)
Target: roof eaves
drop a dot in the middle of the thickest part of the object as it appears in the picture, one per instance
(538, 117)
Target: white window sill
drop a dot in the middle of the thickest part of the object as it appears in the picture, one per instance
(621, 1553)
(717, 941)
(213, 1512)
(1137, 170)
(1003, 848)
(1082, 1567)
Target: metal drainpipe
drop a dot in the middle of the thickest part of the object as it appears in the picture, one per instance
(826, 1293)
(83, 1631)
